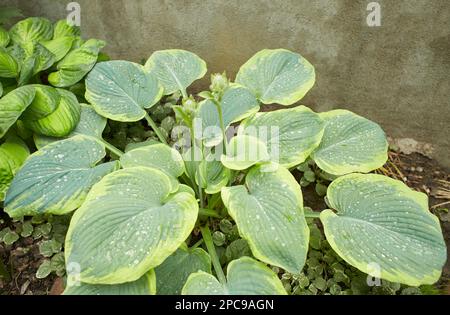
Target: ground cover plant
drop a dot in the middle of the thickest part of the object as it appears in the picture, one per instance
(143, 203)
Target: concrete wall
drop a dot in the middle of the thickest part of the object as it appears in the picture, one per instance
(397, 74)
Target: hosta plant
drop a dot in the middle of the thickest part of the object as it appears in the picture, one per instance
(142, 222)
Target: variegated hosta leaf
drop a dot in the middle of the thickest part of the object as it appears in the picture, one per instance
(59, 47)
(63, 29)
(145, 285)
(158, 155)
(122, 90)
(57, 178)
(172, 274)
(268, 211)
(277, 76)
(245, 276)
(289, 134)
(131, 221)
(350, 143)
(76, 64)
(13, 105)
(384, 228)
(91, 124)
(244, 151)
(31, 30)
(13, 153)
(211, 174)
(43, 58)
(1, 89)
(45, 102)
(62, 121)
(175, 69)
(8, 65)
(4, 37)
(237, 103)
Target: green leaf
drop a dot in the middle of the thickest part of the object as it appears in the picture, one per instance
(31, 30)
(145, 285)
(45, 102)
(158, 155)
(44, 58)
(1, 89)
(244, 151)
(10, 237)
(172, 274)
(122, 90)
(8, 65)
(381, 222)
(64, 29)
(237, 249)
(4, 37)
(49, 247)
(13, 154)
(138, 217)
(245, 276)
(268, 211)
(236, 104)
(290, 135)
(76, 64)
(350, 144)
(27, 229)
(57, 178)
(277, 76)
(12, 105)
(60, 122)
(44, 269)
(212, 175)
(59, 47)
(175, 69)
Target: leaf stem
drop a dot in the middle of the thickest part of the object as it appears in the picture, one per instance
(200, 242)
(312, 214)
(155, 128)
(214, 200)
(206, 233)
(222, 126)
(208, 212)
(111, 148)
(4, 274)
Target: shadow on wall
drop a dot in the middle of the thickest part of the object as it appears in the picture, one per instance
(396, 74)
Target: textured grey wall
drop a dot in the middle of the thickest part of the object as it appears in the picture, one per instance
(397, 74)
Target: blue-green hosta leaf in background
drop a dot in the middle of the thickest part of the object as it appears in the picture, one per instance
(76, 64)
(61, 121)
(59, 47)
(45, 102)
(63, 29)
(244, 151)
(9, 68)
(4, 37)
(131, 221)
(13, 152)
(56, 178)
(268, 211)
(31, 30)
(289, 134)
(350, 143)
(13, 105)
(245, 276)
(172, 274)
(157, 155)
(382, 225)
(236, 104)
(122, 90)
(175, 69)
(277, 76)
(145, 285)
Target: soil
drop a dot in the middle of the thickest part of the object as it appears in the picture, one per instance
(417, 171)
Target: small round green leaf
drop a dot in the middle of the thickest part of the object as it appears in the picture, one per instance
(268, 211)
(277, 76)
(13, 105)
(289, 134)
(145, 285)
(175, 69)
(384, 228)
(57, 178)
(245, 276)
(122, 90)
(244, 151)
(350, 143)
(131, 221)
(172, 274)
